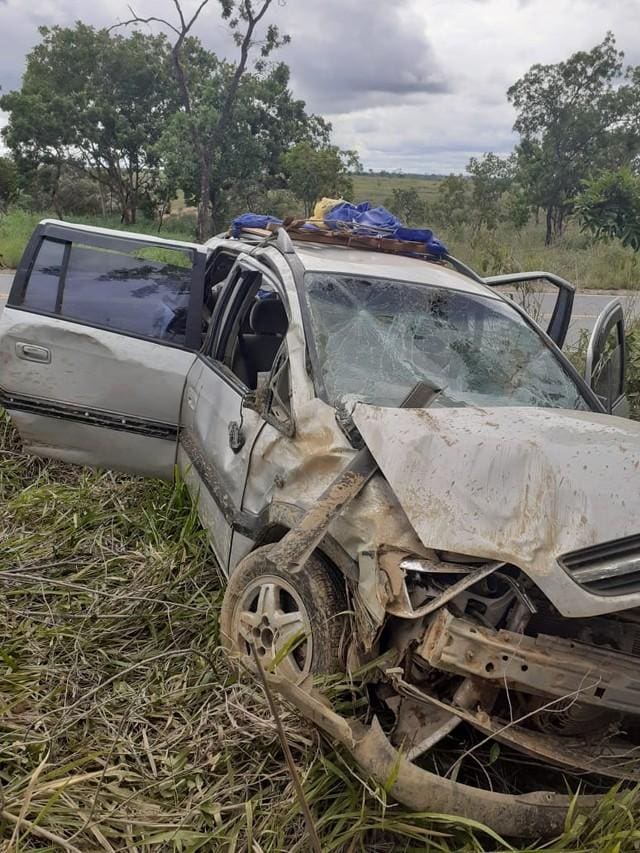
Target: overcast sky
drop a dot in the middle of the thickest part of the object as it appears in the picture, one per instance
(417, 85)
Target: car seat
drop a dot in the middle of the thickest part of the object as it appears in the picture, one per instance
(257, 348)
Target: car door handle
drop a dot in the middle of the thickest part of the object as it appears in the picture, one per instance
(33, 352)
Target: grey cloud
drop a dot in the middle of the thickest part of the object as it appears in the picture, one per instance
(411, 87)
(347, 54)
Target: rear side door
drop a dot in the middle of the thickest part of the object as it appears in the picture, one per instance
(96, 340)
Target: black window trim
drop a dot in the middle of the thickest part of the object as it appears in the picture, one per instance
(297, 269)
(223, 372)
(62, 279)
(69, 235)
(234, 313)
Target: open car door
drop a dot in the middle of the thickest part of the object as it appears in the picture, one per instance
(605, 364)
(546, 297)
(97, 337)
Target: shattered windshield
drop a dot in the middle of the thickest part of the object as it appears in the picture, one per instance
(376, 338)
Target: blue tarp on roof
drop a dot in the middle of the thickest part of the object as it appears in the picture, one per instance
(360, 219)
(252, 220)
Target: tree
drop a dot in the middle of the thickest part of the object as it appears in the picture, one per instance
(568, 116)
(209, 101)
(63, 190)
(313, 173)
(406, 204)
(96, 101)
(8, 182)
(491, 177)
(267, 121)
(452, 206)
(609, 207)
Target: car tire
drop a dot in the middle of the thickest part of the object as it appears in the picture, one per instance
(276, 610)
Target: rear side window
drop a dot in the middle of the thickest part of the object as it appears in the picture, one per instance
(42, 290)
(134, 288)
(145, 292)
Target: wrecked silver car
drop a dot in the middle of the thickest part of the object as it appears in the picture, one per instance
(397, 467)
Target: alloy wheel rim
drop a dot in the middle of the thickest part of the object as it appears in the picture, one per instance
(271, 616)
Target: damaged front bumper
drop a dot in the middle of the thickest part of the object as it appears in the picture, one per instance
(539, 814)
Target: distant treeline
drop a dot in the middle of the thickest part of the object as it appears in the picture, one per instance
(384, 173)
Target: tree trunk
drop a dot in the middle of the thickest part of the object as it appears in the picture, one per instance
(216, 208)
(103, 203)
(202, 227)
(548, 237)
(55, 198)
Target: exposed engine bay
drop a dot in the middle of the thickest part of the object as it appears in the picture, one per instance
(498, 656)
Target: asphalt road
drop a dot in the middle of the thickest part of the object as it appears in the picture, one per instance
(586, 308)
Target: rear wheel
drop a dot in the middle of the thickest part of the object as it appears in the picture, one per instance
(296, 619)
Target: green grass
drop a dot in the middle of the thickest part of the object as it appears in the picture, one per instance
(576, 257)
(378, 188)
(17, 226)
(122, 727)
(585, 263)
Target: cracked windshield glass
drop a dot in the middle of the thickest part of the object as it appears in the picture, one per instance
(376, 338)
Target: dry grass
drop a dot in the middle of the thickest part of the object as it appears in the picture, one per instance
(121, 726)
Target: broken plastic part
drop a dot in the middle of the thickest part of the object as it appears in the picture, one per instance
(542, 813)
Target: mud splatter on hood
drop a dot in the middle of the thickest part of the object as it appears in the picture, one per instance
(522, 485)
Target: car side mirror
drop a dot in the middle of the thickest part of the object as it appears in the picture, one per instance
(606, 360)
(267, 400)
(258, 400)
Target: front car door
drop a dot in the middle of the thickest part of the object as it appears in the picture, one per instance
(217, 431)
(96, 340)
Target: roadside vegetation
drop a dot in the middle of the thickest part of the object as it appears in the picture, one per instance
(16, 226)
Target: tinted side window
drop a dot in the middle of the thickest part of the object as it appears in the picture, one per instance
(42, 287)
(145, 291)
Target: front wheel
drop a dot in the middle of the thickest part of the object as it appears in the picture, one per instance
(296, 619)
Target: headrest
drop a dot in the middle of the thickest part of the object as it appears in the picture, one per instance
(268, 317)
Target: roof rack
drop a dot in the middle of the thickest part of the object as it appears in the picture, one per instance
(294, 231)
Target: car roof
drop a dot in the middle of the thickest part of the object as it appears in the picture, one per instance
(344, 260)
(318, 257)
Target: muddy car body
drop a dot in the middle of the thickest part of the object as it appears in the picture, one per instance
(393, 461)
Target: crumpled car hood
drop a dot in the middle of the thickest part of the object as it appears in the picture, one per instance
(521, 485)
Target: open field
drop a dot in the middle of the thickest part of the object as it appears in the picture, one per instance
(122, 727)
(378, 188)
(16, 228)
